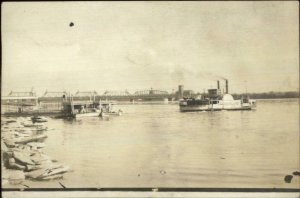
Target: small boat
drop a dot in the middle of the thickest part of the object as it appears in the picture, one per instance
(39, 119)
(35, 126)
(79, 109)
(91, 114)
(113, 113)
(8, 120)
(107, 109)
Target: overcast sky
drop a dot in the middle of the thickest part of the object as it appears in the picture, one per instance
(139, 45)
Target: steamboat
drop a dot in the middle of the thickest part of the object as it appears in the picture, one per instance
(215, 100)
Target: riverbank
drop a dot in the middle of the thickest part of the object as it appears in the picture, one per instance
(22, 155)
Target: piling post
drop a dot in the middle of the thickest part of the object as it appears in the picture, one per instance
(72, 105)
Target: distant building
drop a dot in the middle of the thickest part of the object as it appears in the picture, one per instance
(19, 102)
(181, 93)
(85, 95)
(22, 94)
(53, 94)
(20, 99)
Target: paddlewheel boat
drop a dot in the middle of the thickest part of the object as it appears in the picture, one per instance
(216, 101)
(215, 104)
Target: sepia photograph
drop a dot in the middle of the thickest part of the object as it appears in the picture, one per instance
(150, 96)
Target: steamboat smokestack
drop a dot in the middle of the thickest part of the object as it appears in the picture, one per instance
(218, 84)
(226, 86)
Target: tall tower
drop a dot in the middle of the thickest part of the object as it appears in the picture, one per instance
(180, 91)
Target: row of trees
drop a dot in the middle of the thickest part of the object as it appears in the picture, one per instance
(269, 95)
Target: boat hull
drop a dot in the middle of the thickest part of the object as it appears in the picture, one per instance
(112, 113)
(82, 115)
(217, 107)
(191, 109)
(97, 114)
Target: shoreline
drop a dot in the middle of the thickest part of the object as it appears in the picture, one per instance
(22, 153)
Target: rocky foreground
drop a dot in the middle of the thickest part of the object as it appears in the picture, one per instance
(22, 156)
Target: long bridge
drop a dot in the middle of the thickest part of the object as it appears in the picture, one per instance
(143, 95)
(21, 98)
(51, 102)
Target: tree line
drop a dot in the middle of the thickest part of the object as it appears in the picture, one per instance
(269, 95)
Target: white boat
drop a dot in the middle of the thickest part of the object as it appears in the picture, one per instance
(107, 109)
(118, 113)
(226, 103)
(91, 114)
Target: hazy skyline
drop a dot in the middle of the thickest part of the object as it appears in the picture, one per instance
(139, 45)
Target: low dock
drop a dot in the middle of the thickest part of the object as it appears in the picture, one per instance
(40, 109)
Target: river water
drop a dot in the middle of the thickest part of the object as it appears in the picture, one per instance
(155, 145)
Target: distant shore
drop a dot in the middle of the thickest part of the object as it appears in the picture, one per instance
(269, 95)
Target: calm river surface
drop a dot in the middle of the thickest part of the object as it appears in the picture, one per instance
(158, 146)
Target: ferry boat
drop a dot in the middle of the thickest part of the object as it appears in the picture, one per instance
(216, 101)
(79, 109)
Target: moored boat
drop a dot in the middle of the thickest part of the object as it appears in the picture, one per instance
(107, 109)
(80, 109)
(39, 119)
(91, 114)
